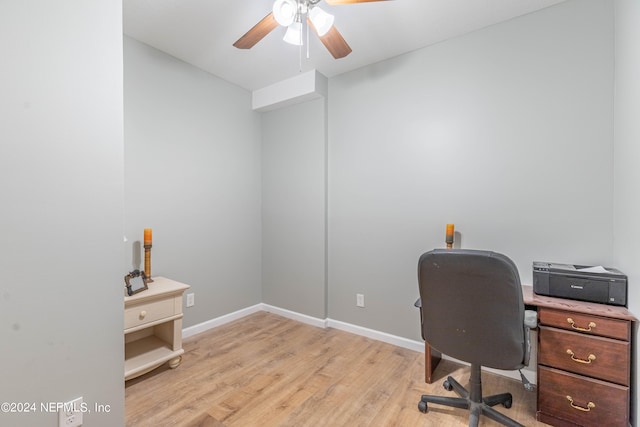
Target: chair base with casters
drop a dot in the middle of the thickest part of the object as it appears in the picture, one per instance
(472, 400)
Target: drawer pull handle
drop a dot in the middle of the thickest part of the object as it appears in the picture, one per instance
(578, 328)
(590, 359)
(589, 407)
(143, 314)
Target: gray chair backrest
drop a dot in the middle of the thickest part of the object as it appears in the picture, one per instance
(472, 307)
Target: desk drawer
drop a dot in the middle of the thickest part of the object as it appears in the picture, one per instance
(596, 357)
(583, 401)
(148, 312)
(586, 323)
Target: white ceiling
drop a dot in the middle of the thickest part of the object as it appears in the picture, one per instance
(201, 32)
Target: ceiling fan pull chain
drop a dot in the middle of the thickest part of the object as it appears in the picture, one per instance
(299, 18)
(307, 24)
(300, 57)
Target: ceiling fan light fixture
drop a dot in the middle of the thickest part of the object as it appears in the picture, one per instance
(321, 20)
(294, 34)
(285, 11)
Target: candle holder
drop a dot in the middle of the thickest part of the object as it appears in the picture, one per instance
(147, 261)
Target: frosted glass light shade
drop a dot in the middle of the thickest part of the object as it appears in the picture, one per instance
(321, 20)
(294, 34)
(284, 11)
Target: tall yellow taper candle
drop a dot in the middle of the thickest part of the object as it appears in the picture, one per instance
(449, 236)
(147, 235)
(147, 253)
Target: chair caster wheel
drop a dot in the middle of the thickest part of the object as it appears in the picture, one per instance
(447, 385)
(507, 403)
(422, 406)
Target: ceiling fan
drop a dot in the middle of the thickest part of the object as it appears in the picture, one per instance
(290, 14)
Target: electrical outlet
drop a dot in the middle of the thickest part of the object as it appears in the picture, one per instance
(70, 414)
(191, 300)
(359, 300)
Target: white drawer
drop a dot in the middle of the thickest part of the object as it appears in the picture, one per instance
(148, 312)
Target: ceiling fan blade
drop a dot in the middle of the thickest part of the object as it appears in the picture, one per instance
(335, 2)
(257, 33)
(333, 41)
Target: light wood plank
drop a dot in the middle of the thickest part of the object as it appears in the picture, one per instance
(265, 370)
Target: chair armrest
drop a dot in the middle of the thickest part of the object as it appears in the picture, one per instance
(531, 319)
(530, 322)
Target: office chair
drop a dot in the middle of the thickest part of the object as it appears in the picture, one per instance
(472, 310)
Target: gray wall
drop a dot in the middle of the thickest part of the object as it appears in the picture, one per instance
(506, 132)
(192, 174)
(627, 152)
(61, 192)
(294, 208)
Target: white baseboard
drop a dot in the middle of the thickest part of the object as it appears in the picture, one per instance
(347, 327)
(377, 335)
(309, 320)
(219, 321)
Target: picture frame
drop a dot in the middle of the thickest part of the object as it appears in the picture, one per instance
(136, 281)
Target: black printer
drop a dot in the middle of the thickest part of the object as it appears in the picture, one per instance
(585, 283)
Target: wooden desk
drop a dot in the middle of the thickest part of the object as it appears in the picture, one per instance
(584, 361)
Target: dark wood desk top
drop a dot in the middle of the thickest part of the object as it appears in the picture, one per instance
(576, 306)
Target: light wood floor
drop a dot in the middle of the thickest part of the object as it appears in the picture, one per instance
(265, 370)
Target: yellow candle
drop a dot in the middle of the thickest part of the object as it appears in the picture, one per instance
(147, 236)
(449, 235)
